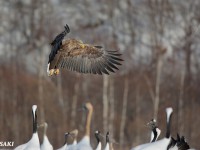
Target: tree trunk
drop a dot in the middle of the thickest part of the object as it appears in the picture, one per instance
(105, 103)
(15, 92)
(74, 102)
(180, 104)
(137, 115)
(157, 88)
(40, 85)
(85, 86)
(60, 92)
(112, 107)
(14, 100)
(62, 104)
(1, 99)
(124, 110)
(188, 80)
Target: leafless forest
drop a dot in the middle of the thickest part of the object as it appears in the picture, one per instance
(159, 40)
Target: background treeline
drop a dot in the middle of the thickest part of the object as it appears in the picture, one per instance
(159, 40)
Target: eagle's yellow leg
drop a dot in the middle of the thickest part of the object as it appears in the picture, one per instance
(82, 45)
(56, 71)
(51, 72)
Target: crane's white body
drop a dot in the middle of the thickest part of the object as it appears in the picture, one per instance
(107, 147)
(163, 143)
(46, 145)
(64, 147)
(33, 143)
(158, 145)
(99, 146)
(72, 146)
(146, 144)
(84, 144)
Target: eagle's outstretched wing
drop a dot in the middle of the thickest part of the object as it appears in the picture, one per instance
(87, 59)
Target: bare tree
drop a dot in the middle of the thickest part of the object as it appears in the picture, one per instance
(157, 9)
(112, 106)
(157, 86)
(75, 100)
(137, 115)
(180, 103)
(124, 111)
(41, 85)
(105, 102)
(171, 79)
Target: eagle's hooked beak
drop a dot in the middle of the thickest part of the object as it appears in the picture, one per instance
(49, 72)
(48, 69)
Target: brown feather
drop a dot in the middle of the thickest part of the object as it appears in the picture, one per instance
(85, 58)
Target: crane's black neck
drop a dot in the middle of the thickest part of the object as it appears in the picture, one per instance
(168, 126)
(97, 137)
(107, 137)
(34, 121)
(66, 137)
(155, 135)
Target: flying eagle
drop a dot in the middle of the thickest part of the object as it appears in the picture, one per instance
(84, 58)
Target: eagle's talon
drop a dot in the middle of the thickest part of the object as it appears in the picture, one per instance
(51, 72)
(82, 45)
(56, 71)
